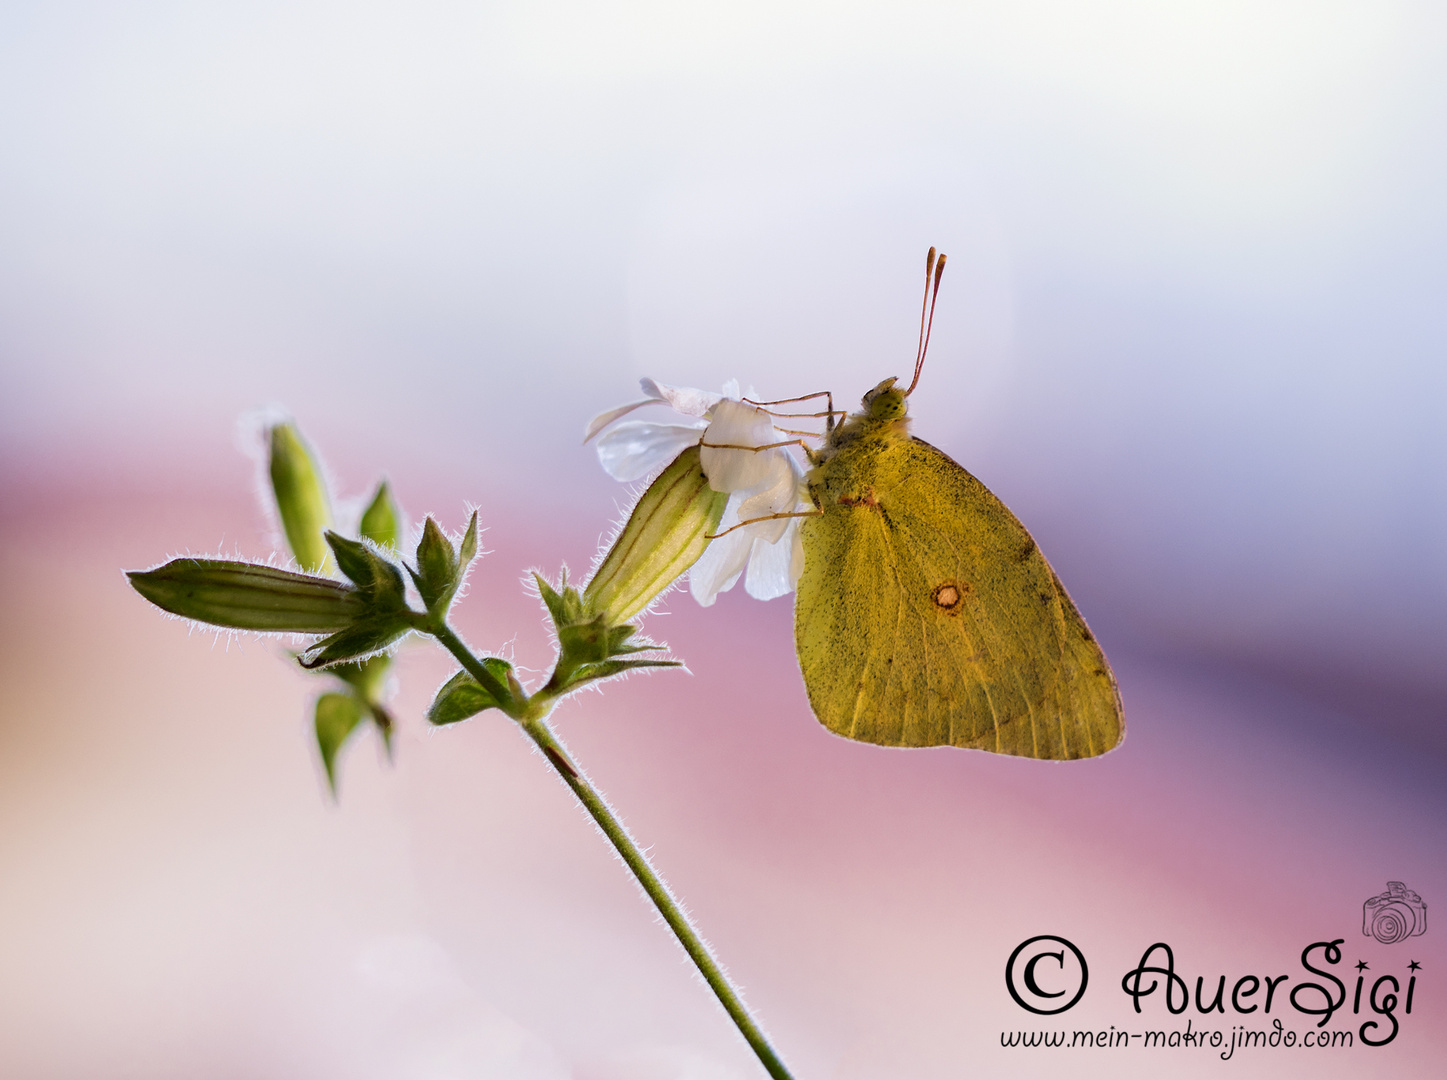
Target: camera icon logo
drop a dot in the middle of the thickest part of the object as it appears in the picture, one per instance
(1395, 915)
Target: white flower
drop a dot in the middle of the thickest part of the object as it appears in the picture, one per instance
(760, 483)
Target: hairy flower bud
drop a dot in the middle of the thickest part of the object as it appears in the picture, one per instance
(666, 533)
(301, 498)
(381, 522)
(245, 596)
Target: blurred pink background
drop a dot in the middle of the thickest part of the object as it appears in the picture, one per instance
(1192, 333)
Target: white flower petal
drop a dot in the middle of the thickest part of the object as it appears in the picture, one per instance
(771, 571)
(603, 419)
(783, 496)
(634, 449)
(764, 482)
(735, 424)
(684, 399)
(721, 563)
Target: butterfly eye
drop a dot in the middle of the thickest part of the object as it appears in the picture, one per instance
(888, 405)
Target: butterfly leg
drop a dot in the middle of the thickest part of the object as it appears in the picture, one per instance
(764, 446)
(829, 414)
(766, 517)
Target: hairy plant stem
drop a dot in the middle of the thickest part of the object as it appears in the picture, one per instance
(531, 715)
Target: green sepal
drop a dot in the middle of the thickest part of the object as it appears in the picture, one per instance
(564, 603)
(467, 550)
(441, 568)
(589, 643)
(595, 641)
(337, 717)
(248, 596)
(608, 669)
(361, 639)
(552, 598)
(378, 581)
(463, 696)
(381, 522)
(301, 497)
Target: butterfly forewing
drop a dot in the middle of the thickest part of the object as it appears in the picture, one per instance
(927, 616)
(1092, 719)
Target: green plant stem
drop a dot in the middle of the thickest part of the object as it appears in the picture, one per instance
(657, 890)
(531, 717)
(449, 640)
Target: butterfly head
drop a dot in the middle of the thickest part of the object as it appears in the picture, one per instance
(885, 402)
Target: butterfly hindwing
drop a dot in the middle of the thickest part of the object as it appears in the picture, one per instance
(927, 616)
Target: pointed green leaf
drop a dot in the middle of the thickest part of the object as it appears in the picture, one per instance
(462, 696)
(337, 717)
(381, 521)
(361, 639)
(246, 596)
(301, 497)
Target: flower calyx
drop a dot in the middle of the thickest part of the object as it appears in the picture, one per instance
(592, 645)
(666, 533)
(302, 504)
(383, 594)
(441, 568)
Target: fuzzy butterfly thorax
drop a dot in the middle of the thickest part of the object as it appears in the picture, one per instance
(857, 440)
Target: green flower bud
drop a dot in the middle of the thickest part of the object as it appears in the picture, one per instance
(380, 522)
(301, 498)
(665, 535)
(440, 568)
(436, 565)
(244, 596)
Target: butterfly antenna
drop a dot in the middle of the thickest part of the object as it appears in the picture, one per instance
(933, 268)
(929, 269)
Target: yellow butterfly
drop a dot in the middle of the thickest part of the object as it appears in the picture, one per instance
(926, 614)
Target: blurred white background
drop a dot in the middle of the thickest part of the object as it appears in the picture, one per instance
(1192, 320)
